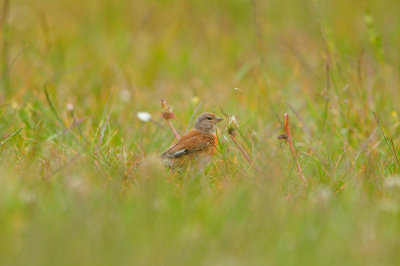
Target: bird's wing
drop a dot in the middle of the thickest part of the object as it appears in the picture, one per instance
(193, 141)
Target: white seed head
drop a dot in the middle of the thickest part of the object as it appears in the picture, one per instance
(144, 116)
(70, 107)
(233, 122)
(233, 125)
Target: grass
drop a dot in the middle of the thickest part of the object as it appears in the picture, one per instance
(80, 177)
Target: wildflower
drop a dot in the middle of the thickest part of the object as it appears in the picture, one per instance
(144, 116)
(70, 107)
(167, 114)
(233, 125)
(195, 99)
(166, 106)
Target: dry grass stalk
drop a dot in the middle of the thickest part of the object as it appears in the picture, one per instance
(233, 125)
(286, 136)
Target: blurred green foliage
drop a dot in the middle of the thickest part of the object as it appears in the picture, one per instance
(82, 184)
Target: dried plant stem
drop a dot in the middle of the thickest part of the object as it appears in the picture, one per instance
(244, 153)
(156, 123)
(289, 140)
(8, 68)
(173, 129)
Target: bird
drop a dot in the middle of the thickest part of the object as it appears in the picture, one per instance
(198, 145)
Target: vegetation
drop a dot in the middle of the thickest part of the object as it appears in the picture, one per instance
(80, 177)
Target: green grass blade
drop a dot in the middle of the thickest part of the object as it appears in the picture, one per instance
(53, 109)
(4, 141)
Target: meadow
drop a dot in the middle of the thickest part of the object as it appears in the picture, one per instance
(81, 181)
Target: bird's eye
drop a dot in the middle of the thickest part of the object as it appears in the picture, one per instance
(209, 118)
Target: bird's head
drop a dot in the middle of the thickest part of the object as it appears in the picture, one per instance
(207, 123)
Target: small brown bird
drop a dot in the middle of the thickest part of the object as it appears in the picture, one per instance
(198, 144)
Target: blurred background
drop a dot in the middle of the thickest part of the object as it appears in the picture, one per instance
(182, 49)
(74, 75)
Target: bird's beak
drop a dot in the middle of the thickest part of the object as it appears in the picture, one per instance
(219, 119)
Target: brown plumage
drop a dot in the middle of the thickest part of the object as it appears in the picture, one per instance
(199, 143)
